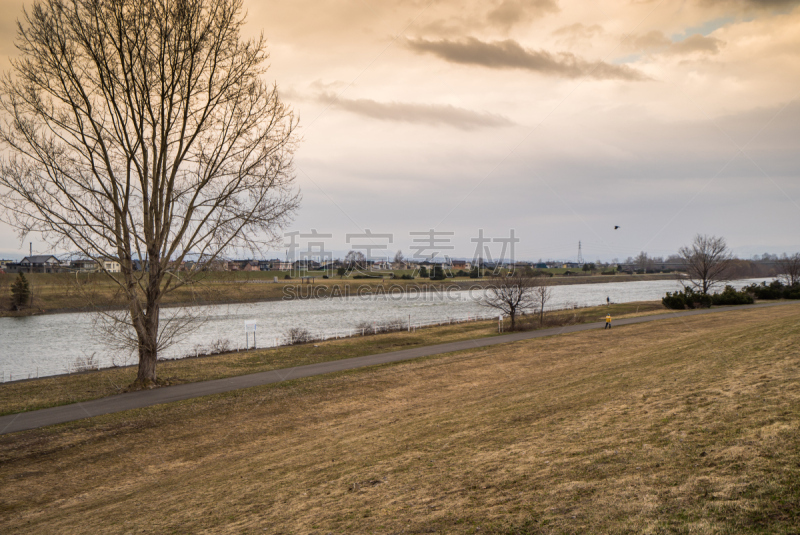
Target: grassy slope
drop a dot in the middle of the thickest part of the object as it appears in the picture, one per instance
(682, 426)
(63, 389)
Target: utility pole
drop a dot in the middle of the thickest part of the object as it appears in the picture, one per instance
(580, 254)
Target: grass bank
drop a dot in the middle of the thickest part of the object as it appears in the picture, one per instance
(689, 425)
(29, 395)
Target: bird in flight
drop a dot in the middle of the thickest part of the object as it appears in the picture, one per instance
(616, 227)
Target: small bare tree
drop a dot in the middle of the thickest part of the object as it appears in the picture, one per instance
(541, 295)
(142, 131)
(707, 261)
(516, 293)
(789, 269)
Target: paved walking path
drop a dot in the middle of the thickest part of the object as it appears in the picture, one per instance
(135, 400)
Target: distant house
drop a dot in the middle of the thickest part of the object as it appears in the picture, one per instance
(41, 264)
(88, 265)
(460, 265)
(251, 266)
(83, 265)
(111, 266)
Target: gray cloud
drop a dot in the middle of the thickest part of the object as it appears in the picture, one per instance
(656, 41)
(696, 43)
(431, 114)
(511, 12)
(509, 54)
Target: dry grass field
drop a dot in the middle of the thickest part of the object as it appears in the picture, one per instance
(690, 425)
(24, 396)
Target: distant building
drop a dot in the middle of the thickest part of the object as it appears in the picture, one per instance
(40, 264)
(251, 266)
(460, 265)
(91, 266)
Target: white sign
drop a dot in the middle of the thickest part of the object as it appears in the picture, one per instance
(250, 326)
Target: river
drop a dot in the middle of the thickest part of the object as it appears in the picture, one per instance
(54, 344)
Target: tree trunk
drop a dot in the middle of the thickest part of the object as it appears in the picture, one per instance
(148, 348)
(147, 328)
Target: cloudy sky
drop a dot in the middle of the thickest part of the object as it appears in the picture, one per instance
(556, 118)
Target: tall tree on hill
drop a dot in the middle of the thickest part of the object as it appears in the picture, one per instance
(144, 130)
(707, 262)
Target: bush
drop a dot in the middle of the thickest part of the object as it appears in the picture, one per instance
(475, 274)
(674, 301)
(730, 296)
(287, 276)
(407, 277)
(297, 335)
(691, 299)
(461, 273)
(20, 292)
(385, 326)
(686, 299)
(773, 290)
(423, 271)
(437, 274)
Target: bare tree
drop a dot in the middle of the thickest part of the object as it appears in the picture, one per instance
(143, 130)
(355, 261)
(541, 295)
(644, 262)
(789, 269)
(707, 262)
(515, 293)
(399, 259)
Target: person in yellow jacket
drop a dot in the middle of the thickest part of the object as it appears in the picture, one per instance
(608, 321)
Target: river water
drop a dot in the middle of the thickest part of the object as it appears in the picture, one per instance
(56, 344)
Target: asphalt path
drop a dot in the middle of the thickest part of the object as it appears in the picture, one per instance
(135, 400)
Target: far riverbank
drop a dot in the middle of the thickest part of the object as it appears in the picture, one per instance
(65, 296)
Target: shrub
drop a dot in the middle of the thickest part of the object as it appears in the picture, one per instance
(774, 290)
(287, 276)
(20, 291)
(407, 277)
(437, 274)
(423, 271)
(730, 296)
(385, 326)
(686, 299)
(674, 301)
(461, 273)
(297, 335)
